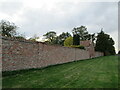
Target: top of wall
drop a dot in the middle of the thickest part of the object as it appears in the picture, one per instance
(16, 39)
(29, 41)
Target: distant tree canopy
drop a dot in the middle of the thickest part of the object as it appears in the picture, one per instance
(68, 42)
(54, 39)
(7, 28)
(61, 38)
(105, 44)
(82, 32)
(50, 36)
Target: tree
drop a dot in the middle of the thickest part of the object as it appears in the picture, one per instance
(61, 38)
(68, 41)
(76, 39)
(105, 44)
(93, 37)
(118, 52)
(7, 28)
(50, 36)
(82, 32)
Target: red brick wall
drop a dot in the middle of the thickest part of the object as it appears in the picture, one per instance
(98, 54)
(20, 54)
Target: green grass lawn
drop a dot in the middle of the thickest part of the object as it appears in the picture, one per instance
(100, 72)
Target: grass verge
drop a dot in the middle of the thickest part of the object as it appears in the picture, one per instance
(100, 72)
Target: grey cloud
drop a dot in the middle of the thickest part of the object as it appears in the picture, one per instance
(10, 8)
(68, 16)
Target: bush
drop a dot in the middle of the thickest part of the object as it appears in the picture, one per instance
(77, 46)
(68, 41)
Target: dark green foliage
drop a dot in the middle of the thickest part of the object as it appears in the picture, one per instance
(83, 35)
(82, 32)
(7, 28)
(79, 33)
(61, 38)
(50, 36)
(20, 36)
(93, 37)
(76, 39)
(118, 52)
(78, 46)
(100, 72)
(105, 44)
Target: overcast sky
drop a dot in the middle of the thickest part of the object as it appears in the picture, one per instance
(40, 16)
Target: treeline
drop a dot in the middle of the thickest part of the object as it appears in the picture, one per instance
(102, 41)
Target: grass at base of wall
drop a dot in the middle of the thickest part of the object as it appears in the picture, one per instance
(14, 72)
(99, 72)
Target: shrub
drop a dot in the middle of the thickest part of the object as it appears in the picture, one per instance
(68, 41)
(77, 46)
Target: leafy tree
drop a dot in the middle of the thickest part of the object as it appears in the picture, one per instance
(68, 41)
(61, 38)
(82, 32)
(50, 36)
(54, 39)
(105, 44)
(7, 28)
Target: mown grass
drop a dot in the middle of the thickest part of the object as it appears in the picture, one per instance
(100, 72)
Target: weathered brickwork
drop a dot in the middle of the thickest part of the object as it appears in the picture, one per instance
(20, 54)
(98, 54)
